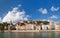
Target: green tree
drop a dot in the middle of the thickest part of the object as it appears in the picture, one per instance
(45, 22)
(6, 24)
(38, 22)
(2, 25)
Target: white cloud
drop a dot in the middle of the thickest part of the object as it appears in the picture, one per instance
(54, 16)
(15, 15)
(43, 10)
(54, 9)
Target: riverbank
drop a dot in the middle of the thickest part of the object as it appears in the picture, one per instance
(49, 31)
(31, 31)
(21, 30)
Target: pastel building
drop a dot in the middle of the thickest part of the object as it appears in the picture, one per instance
(29, 27)
(37, 27)
(20, 26)
(51, 25)
(57, 26)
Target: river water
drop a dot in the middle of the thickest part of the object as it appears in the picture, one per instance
(29, 34)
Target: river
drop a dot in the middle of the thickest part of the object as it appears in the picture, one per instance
(29, 34)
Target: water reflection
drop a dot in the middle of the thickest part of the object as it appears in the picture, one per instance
(30, 35)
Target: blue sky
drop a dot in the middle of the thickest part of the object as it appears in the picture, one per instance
(35, 9)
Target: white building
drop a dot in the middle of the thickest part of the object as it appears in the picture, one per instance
(44, 27)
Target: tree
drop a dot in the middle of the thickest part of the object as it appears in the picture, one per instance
(45, 22)
(6, 24)
(38, 22)
(2, 25)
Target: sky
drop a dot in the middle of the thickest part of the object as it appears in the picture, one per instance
(19, 10)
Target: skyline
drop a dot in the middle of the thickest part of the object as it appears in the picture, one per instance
(18, 10)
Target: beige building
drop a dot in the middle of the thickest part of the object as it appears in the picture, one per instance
(20, 26)
(51, 26)
(24, 26)
(37, 27)
(29, 27)
(57, 26)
